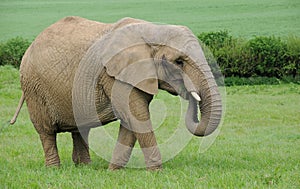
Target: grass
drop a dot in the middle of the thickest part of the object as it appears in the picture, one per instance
(258, 147)
(241, 18)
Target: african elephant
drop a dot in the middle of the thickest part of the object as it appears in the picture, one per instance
(128, 62)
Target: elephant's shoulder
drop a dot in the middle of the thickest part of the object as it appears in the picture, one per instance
(127, 21)
(72, 19)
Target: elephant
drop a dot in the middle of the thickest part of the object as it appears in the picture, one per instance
(128, 62)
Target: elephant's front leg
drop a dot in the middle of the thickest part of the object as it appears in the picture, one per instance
(123, 148)
(133, 111)
(81, 147)
(150, 150)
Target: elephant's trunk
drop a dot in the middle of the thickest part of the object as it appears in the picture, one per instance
(211, 112)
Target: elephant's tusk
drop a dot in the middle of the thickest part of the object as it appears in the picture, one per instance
(196, 96)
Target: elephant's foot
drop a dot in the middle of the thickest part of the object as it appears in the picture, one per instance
(52, 160)
(53, 165)
(81, 159)
(155, 168)
(114, 167)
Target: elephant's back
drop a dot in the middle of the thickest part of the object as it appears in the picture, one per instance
(61, 46)
(50, 63)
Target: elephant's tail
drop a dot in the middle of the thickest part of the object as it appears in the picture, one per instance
(21, 102)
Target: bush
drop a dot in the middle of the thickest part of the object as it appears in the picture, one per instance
(293, 56)
(257, 57)
(12, 51)
(236, 81)
(227, 51)
(268, 56)
(216, 40)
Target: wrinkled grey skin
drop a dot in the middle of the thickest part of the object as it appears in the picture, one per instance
(52, 66)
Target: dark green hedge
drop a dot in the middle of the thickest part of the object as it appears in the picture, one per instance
(258, 57)
(12, 51)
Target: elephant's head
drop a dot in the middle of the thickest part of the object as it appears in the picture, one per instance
(151, 57)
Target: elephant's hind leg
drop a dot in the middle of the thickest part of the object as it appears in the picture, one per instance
(50, 149)
(81, 147)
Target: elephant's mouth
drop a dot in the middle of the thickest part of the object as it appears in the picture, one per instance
(177, 88)
(174, 88)
(185, 94)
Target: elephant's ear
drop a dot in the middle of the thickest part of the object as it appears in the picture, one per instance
(132, 68)
(128, 57)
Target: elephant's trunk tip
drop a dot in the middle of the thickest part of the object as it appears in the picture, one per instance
(211, 114)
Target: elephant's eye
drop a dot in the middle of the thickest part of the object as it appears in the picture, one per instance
(179, 62)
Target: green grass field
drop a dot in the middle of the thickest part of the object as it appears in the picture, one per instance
(239, 17)
(259, 141)
(258, 147)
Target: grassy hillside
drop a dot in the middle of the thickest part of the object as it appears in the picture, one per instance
(258, 147)
(241, 18)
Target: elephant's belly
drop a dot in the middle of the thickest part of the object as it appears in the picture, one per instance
(106, 116)
(66, 128)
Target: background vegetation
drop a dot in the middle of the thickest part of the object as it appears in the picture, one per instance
(258, 146)
(261, 56)
(11, 51)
